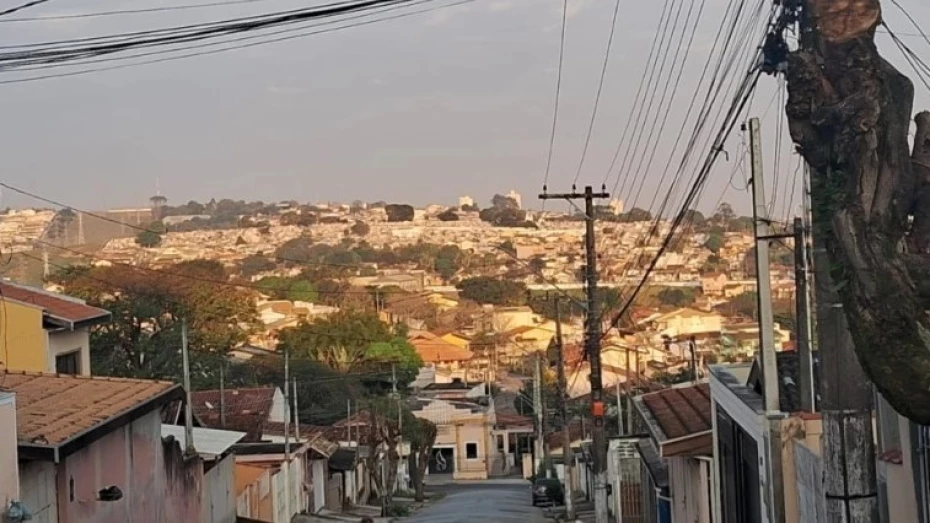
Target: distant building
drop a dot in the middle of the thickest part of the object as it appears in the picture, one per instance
(616, 205)
(466, 201)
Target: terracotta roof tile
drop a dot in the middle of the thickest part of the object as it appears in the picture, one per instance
(437, 350)
(58, 306)
(681, 412)
(246, 410)
(52, 409)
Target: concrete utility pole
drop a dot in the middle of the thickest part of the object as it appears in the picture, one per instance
(189, 449)
(222, 393)
(769, 364)
(567, 453)
(803, 314)
(287, 434)
(593, 346)
(540, 409)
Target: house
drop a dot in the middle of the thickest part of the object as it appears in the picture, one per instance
(463, 439)
(9, 457)
(45, 331)
(678, 454)
(712, 284)
(321, 449)
(438, 353)
(686, 322)
(758, 486)
(270, 480)
(243, 410)
(91, 450)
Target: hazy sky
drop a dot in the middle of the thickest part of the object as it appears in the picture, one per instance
(420, 109)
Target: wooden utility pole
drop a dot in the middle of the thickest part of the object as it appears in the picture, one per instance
(846, 394)
(567, 453)
(802, 313)
(593, 346)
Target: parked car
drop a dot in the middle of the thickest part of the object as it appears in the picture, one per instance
(548, 491)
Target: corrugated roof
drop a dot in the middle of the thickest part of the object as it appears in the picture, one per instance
(680, 412)
(438, 350)
(53, 409)
(56, 306)
(209, 442)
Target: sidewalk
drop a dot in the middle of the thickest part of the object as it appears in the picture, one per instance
(584, 512)
(353, 515)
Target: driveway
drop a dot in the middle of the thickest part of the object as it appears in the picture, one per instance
(491, 501)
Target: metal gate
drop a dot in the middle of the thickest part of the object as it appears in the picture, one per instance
(628, 493)
(442, 461)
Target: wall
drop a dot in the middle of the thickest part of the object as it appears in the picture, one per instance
(9, 473)
(471, 468)
(37, 490)
(253, 488)
(219, 492)
(902, 493)
(809, 475)
(24, 339)
(318, 480)
(158, 484)
(62, 342)
(688, 486)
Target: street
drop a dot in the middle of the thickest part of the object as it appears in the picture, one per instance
(491, 501)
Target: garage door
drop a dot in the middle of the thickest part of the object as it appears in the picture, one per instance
(442, 461)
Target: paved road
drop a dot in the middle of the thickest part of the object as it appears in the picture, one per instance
(492, 501)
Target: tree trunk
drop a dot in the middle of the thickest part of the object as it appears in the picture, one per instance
(422, 463)
(849, 112)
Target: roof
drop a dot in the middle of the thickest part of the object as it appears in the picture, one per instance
(59, 414)
(678, 412)
(656, 466)
(433, 349)
(342, 459)
(687, 313)
(316, 437)
(62, 311)
(207, 442)
(246, 409)
(789, 376)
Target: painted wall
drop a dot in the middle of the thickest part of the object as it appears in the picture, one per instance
(902, 493)
(808, 470)
(63, 342)
(688, 484)
(318, 480)
(158, 484)
(24, 340)
(219, 492)
(253, 487)
(471, 468)
(9, 471)
(38, 491)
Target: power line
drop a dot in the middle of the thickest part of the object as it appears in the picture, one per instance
(21, 7)
(558, 94)
(600, 88)
(231, 48)
(121, 12)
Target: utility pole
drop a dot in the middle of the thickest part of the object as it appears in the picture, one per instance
(593, 345)
(802, 313)
(769, 363)
(567, 453)
(287, 434)
(222, 393)
(189, 449)
(540, 411)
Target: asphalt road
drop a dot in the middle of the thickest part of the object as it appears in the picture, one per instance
(492, 501)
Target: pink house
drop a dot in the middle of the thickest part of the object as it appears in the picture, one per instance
(91, 451)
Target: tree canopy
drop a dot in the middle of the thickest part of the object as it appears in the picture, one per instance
(399, 212)
(487, 290)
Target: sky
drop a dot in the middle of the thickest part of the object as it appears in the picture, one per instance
(421, 109)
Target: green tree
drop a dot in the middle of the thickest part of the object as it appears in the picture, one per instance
(399, 212)
(293, 289)
(255, 264)
(449, 215)
(397, 353)
(143, 338)
(340, 341)
(448, 261)
(148, 239)
(715, 242)
(360, 228)
(677, 297)
(487, 290)
(297, 250)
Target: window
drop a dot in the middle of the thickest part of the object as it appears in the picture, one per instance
(471, 451)
(69, 363)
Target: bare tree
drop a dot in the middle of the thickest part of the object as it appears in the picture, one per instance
(849, 112)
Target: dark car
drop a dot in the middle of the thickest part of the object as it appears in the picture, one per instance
(548, 491)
